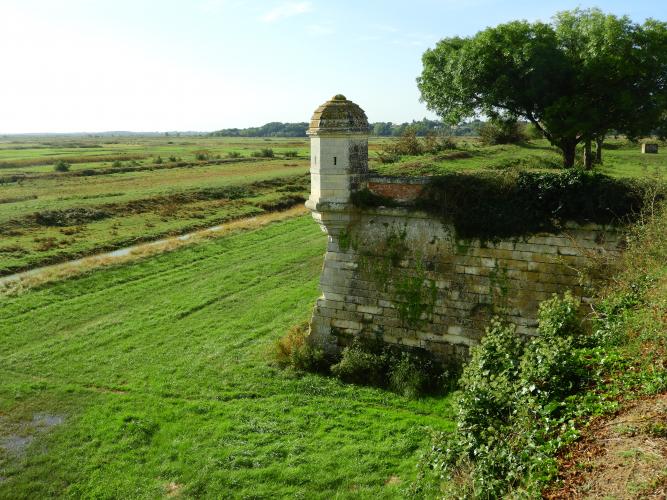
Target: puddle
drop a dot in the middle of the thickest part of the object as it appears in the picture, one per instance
(16, 444)
(46, 420)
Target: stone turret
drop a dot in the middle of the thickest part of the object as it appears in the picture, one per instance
(338, 154)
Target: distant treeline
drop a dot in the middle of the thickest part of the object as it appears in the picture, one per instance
(380, 129)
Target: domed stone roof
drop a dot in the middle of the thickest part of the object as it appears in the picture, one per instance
(338, 115)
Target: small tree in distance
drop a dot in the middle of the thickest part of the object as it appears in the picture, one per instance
(61, 166)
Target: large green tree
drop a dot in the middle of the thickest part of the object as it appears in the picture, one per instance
(575, 78)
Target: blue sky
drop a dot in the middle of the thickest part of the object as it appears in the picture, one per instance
(145, 65)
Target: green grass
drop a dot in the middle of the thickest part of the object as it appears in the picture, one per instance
(161, 372)
(146, 201)
(28, 184)
(620, 159)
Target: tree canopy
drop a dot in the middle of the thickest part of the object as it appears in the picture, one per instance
(576, 78)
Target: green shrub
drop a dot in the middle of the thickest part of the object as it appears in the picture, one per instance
(234, 154)
(360, 364)
(116, 164)
(408, 377)
(367, 362)
(263, 153)
(293, 350)
(408, 143)
(202, 155)
(501, 131)
(61, 166)
(492, 205)
(173, 159)
(387, 156)
(511, 411)
(158, 160)
(411, 373)
(291, 154)
(559, 316)
(434, 143)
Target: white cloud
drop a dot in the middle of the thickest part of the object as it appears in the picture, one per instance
(286, 10)
(320, 30)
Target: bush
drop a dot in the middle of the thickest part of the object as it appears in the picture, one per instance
(387, 156)
(410, 373)
(510, 411)
(173, 159)
(116, 164)
(501, 131)
(434, 143)
(293, 350)
(61, 166)
(158, 160)
(407, 376)
(366, 362)
(291, 154)
(360, 364)
(202, 155)
(234, 154)
(262, 153)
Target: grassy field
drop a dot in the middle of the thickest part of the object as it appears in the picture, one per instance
(48, 216)
(121, 191)
(108, 389)
(620, 159)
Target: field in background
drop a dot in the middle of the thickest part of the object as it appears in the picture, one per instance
(620, 159)
(123, 190)
(110, 388)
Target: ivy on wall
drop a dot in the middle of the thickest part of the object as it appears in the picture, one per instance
(494, 205)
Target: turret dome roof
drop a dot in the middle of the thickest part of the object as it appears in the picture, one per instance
(338, 115)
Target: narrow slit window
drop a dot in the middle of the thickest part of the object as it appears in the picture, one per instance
(334, 160)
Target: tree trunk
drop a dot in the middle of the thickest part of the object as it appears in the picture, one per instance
(588, 155)
(598, 149)
(569, 149)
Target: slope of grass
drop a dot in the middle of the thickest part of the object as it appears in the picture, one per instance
(620, 159)
(157, 380)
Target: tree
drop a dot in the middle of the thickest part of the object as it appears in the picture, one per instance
(573, 79)
(61, 166)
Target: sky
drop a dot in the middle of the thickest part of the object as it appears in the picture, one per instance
(203, 65)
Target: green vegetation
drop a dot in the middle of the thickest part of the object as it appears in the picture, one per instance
(411, 373)
(523, 402)
(61, 166)
(106, 201)
(120, 390)
(493, 205)
(575, 79)
(621, 159)
(381, 129)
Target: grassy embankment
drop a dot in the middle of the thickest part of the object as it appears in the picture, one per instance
(110, 389)
(620, 159)
(623, 453)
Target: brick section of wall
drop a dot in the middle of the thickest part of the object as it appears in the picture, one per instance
(396, 191)
(374, 256)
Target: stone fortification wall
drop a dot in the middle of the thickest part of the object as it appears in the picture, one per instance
(401, 276)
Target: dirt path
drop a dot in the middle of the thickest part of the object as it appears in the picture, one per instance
(624, 457)
(15, 283)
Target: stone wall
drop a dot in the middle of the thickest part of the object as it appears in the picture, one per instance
(401, 276)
